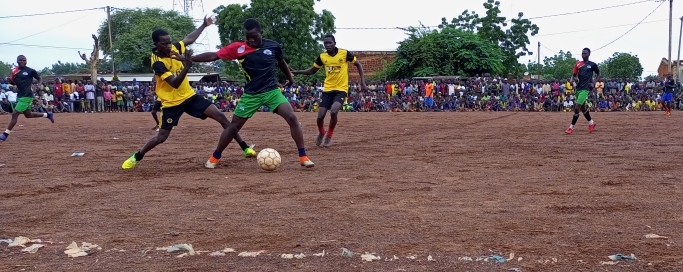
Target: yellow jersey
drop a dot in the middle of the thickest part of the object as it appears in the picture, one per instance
(164, 67)
(336, 69)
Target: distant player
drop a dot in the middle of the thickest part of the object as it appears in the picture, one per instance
(155, 109)
(22, 76)
(668, 96)
(257, 57)
(175, 93)
(584, 71)
(336, 86)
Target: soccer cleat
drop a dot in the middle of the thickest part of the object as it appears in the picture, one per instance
(319, 140)
(569, 131)
(212, 162)
(250, 152)
(129, 163)
(306, 162)
(155, 128)
(51, 116)
(591, 127)
(3, 137)
(328, 142)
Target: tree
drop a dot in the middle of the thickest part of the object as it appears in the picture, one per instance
(446, 52)
(292, 23)
(513, 40)
(94, 59)
(131, 35)
(5, 69)
(559, 66)
(621, 65)
(46, 71)
(61, 68)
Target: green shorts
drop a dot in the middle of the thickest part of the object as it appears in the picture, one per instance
(119, 102)
(581, 96)
(250, 103)
(23, 104)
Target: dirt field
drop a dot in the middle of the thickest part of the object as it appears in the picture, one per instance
(445, 185)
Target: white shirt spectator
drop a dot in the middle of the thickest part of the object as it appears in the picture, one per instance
(11, 96)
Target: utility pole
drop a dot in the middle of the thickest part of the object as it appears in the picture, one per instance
(539, 59)
(111, 47)
(678, 63)
(671, 6)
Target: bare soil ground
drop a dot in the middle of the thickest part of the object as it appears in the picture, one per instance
(449, 185)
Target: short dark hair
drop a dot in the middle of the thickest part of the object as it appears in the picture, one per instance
(158, 33)
(331, 37)
(587, 49)
(20, 56)
(251, 24)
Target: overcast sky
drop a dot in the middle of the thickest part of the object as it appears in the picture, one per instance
(51, 38)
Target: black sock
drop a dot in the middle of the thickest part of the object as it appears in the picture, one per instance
(575, 118)
(244, 145)
(139, 156)
(5, 133)
(587, 115)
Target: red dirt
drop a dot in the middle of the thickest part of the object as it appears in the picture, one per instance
(442, 184)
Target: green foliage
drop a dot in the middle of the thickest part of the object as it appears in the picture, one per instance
(651, 78)
(621, 65)
(132, 35)
(493, 27)
(446, 52)
(46, 71)
(559, 66)
(64, 68)
(292, 23)
(5, 69)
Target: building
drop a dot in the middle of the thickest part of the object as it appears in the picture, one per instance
(124, 77)
(663, 69)
(372, 61)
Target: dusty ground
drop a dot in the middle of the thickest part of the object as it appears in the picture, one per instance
(447, 185)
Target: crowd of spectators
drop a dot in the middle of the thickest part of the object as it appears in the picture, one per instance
(456, 94)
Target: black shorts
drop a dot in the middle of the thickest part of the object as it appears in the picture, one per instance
(157, 106)
(328, 98)
(194, 106)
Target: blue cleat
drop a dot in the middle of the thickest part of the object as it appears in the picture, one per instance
(51, 116)
(3, 137)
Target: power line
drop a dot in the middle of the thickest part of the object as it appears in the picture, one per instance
(47, 29)
(589, 10)
(641, 21)
(599, 28)
(45, 46)
(509, 20)
(49, 13)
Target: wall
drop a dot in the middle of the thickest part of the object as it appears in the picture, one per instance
(371, 61)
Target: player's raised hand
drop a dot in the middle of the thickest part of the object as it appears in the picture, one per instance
(188, 58)
(208, 20)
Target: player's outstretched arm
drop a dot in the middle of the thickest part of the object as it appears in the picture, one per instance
(206, 57)
(284, 67)
(192, 37)
(310, 71)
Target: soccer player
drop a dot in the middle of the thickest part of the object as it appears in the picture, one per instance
(22, 76)
(583, 70)
(171, 62)
(668, 96)
(336, 86)
(156, 108)
(257, 57)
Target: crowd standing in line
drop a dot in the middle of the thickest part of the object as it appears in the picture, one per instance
(462, 94)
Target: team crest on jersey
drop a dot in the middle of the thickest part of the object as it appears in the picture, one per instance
(169, 120)
(25, 73)
(588, 66)
(241, 49)
(267, 52)
(341, 60)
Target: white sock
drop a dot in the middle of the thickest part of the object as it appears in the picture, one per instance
(45, 115)
(590, 122)
(571, 126)
(7, 131)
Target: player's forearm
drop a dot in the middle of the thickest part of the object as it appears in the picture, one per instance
(360, 72)
(192, 37)
(284, 67)
(205, 57)
(177, 80)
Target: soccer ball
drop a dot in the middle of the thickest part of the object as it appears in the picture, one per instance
(268, 159)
